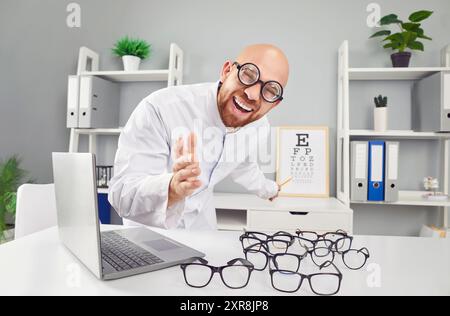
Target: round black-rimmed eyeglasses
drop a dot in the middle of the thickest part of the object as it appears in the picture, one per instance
(249, 75)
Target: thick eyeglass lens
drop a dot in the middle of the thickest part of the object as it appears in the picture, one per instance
(248, 74)
(271, 91)
(197, 275)
(235, 276)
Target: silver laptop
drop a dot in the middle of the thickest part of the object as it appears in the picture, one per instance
(109, 255)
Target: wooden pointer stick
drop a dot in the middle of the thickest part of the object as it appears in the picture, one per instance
(285, 182)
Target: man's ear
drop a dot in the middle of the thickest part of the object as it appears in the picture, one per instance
(226, 69)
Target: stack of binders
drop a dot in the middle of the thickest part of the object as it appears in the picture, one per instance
(374, 171)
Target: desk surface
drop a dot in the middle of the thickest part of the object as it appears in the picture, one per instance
(39, 265)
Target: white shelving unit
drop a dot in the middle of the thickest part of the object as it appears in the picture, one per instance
(345, 134)
(173, 75)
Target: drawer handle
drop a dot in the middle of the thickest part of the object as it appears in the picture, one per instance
(299, 213)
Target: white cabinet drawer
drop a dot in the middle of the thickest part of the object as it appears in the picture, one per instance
(290, 221)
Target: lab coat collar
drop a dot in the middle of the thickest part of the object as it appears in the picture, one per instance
(217, 120)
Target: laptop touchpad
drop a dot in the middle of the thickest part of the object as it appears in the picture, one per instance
(161, 245)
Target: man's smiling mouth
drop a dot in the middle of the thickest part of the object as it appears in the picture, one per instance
(241, 106)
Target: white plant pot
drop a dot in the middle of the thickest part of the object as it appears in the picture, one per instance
(131, 63)
(9, 236)
(380, 119)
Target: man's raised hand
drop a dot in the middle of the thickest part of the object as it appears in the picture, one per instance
(186, 170)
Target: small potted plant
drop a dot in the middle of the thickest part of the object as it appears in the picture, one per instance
(380, 113)
(132, 52)
(11, 177)
(408, 37)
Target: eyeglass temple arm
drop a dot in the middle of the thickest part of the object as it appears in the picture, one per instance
(194, 259)
(328, 263)
(241, 260)
(365, 251)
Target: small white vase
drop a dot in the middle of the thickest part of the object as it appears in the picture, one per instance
(131, 63)
(380, 119)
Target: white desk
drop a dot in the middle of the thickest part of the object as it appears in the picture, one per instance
(40, 265)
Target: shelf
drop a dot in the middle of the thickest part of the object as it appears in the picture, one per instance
(393, 73)
(410, 198)
(134, 76)
(398, 134)
(98, 131)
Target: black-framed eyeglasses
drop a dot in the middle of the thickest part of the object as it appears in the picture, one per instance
(235, 275)
(355, 259)
(260, 258)
(250, 238)
(249, 75)
(319, 251)
(323, 283)
(299, 245)
(339, 240)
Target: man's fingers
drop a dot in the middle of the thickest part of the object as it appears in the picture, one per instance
(179, 148)
(192, 144)
(188, 187)
(188, 174)
(183, 164)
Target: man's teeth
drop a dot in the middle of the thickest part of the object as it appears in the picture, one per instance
(242, 105)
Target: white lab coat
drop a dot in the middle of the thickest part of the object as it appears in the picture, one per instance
(143, 163)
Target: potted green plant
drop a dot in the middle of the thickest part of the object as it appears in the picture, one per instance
(408, 37)
(132, 52)
(11, 177)
(380, 114)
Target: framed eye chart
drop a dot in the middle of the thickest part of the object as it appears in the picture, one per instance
(303, 154)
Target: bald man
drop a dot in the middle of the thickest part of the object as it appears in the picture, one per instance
(181, 141)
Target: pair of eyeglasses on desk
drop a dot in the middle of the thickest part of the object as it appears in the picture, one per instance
(235, 274)
(326, 282)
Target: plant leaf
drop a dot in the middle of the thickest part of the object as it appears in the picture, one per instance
(416, 46)
(10, 202)
(397, 37)
(420, 16)
(413, 27)
(381, 33)
(390, 19)
(134, 47)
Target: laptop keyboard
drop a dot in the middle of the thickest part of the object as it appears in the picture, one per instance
(124, 255)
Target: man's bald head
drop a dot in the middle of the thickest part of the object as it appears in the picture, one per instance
(241, 104)
(271, 60)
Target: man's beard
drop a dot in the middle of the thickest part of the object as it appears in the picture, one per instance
(229, 113)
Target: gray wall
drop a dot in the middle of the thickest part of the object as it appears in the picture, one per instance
(38, 52)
